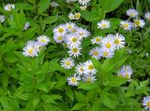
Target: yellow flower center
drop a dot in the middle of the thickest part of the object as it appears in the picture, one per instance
(90, 67)
(43, 40)
(69, 27)
(98, 39)
(77, 15)
(137, 22)
(132, 14)
(75, 50)
(74, 30)
(126, 25)
(74, 39)
(95, 53)
(117, 41)
(60, 30)
(89, 80)
(60, 38)
(68, 63)
(105, 53)
(104, 25)
(81, 69)
(148, 104)
(127, 75)
(30, 51)
(73, 79)
(108, 45)
(81, 33)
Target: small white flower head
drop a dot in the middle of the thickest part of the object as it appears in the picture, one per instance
(106, 53)
(89, 67)
(108, 42)
(132, 13)
(29, 50)
(95, 52)
(104, 24)
(147, 15)
(75, 51)
(54, 4)
(83, 33)
(96, 40)
(9, 7)
(77, 16)
(90, 78)
(139, 23)
(71, 16)
(67, 63)
(83, 7)
(73, 40)
(37, 46)
(73, 80)
(43, 40)
(79, 69)
(70, 26)
(27, 25)
(125, 71)
(2, 18)
(126, 25)
(60, 30)
(58, 38)
(68, 1)
(84, 2)
(119, 41)
(146, 102)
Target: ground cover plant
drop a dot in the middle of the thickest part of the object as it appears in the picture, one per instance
(74, 55)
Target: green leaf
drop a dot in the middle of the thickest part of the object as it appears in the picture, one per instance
(87, 86)
(78, 106)
(43, 5)
(50, 20)
(51, 98)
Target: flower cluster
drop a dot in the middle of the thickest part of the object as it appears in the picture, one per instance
(9, 7)
(75, 16)
(32, 48)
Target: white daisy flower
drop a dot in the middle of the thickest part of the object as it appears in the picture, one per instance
(139, 23)
(73, 80)
(2, 18)
(146, 102)
(84, 2)
(126, 25)
(90, 78)
(60, 30)
(75, 51)
(71, 16)
(83, 33)
(73, 40)
(125, 71)
(30, 50)
(95, 52)
(77, 16)
(37, 46)
(9, 7)
(147, 15)
(54, 4)
(67, 63)
(108, 42)
(70, 26)
(79, 69)
(103, 24)
(96, 40)
(106, 53)
(132, 13)
(119, 41)
(89, 67)
(27, 25)
(58, 38)
(43, 40)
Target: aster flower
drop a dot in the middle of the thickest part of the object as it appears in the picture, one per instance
(54, 4)
(43, 40)
(77, 16)
(104, 24)
(67, 63)
(71, 16)
(70, 26)
(73, 80)
(90, 78)
(9, 7)
(146, 102)
(126, 25)
(79, 69)
(106, 53)
(84, 2)
(75, 51)
(96, 40)
(125, 71)
(95, 52)
(60, 30)
(2, 18)
(132, 13)
(139, 23)
(147, 15)
(119, 41)
(89, 67)
(27, 25)
(58, 38)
